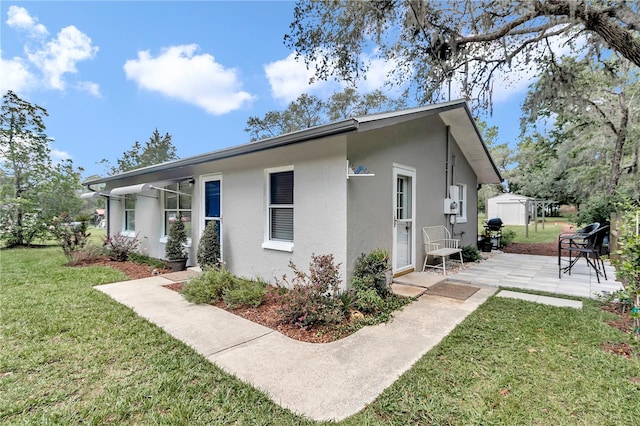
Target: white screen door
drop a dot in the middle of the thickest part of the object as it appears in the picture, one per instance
(403, 218)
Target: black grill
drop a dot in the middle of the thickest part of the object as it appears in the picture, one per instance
(494, 224)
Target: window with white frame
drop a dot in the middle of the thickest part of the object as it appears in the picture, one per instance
(129, 213)
(177, 204)
(461, 217)
(279, 232)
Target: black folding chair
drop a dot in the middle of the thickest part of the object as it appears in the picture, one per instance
(590, 247)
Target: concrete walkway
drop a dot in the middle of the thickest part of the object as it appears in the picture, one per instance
(348, 374)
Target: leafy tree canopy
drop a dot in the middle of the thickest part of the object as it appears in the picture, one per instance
(583, 130)
(473, 40)
(309, 111)
(158, 149)
(34, 189)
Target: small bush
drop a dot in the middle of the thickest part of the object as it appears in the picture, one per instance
(369, 301)
(88, 253)
(175, 248)
(119, 246)
(209, 286)
(244, 293)
(373, 268)
(313, 298)
(508, 235)
(470, 254)
(72, 236)
(209, 246)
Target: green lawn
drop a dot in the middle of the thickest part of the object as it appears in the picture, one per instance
(552, 227)
(69, 355)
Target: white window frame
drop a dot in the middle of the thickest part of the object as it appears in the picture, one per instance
(269, 243)
(125, 231)
(164, 231)
(461, 217)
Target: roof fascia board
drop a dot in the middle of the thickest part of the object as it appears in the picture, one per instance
(238, 150)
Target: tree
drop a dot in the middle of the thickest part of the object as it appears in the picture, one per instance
(503, 158)
(309, 111)
(34, 189)
(433, 42)
(592, 114)
(158, 149)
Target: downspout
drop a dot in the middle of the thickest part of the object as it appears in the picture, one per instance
(446, 166)
(108, 212)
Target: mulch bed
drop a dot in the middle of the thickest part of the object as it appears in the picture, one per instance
(133, 270)
(268, 314)
(624, 324)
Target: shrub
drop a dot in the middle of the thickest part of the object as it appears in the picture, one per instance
(508, 235)
(373, 269)
(368, 300)
(71, 236)
(313, 298)
(209, 246)
(244, 293)
(88, 253)
(209, 286)
(175, 249)
(119, 247)
(597, 209)
(470, 254)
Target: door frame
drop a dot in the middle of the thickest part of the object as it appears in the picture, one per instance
(410, 172)
(202, 222)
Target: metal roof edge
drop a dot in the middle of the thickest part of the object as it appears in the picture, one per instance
(484, 145)
(299, 136)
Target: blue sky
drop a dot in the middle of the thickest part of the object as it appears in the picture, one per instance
(110, 73)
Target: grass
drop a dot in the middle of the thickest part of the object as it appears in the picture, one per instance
(72, 355)
(552, 227)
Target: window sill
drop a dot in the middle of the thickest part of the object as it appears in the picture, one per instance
(128, 234)
(278, 245)
(163, 240)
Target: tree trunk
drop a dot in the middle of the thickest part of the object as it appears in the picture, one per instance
(618, 149)
(597, 21)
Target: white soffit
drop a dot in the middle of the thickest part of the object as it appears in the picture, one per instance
(464, 132)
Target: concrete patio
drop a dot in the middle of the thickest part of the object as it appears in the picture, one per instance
(539, 273)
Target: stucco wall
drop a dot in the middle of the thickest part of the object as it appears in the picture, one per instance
(420, 144)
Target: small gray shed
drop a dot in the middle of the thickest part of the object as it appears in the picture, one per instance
(511, 208)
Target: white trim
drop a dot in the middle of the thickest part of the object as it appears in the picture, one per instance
(410, 172)
(278, 245)
(461, 217)
(267, 242)
(203, 179)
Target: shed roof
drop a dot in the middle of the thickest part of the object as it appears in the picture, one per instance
(455, 114)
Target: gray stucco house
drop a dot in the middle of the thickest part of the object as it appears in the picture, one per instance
(343, 188)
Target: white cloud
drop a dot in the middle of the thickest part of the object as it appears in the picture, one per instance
(53, 58)
(57, 155)
(15, 75)
(60, 55)
(289, 79)
(19, 18)
(179, 73)
(89, 87)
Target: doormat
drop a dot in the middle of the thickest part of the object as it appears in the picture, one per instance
(453, 291)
